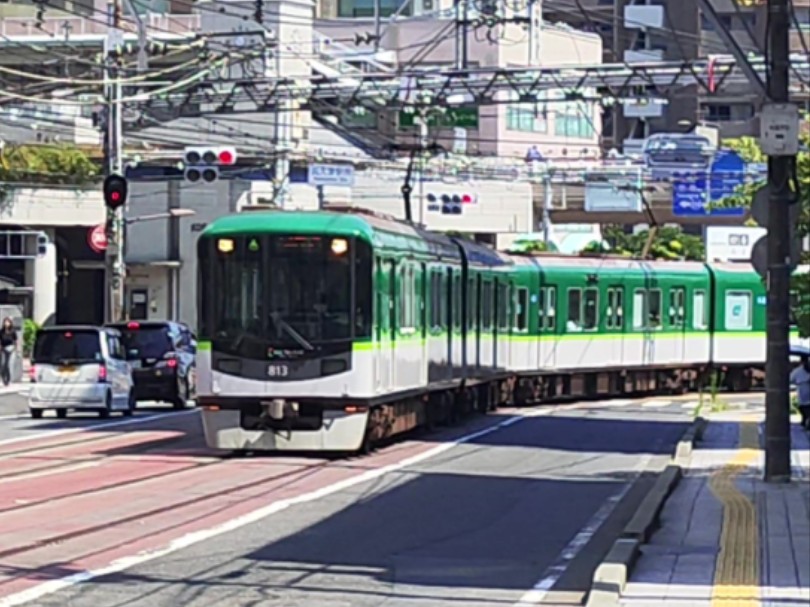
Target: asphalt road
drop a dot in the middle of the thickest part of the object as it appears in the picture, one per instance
(16, 423)
(534, 504)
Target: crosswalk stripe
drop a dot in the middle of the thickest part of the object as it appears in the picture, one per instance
(691, 405)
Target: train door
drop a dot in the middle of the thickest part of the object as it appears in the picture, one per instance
(677, 323)
(381, 366)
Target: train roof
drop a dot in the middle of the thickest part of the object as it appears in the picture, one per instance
(479, 254)
(605, 263)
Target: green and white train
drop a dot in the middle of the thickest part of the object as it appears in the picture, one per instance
(334, 330)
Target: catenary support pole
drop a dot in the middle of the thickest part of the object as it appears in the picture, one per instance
(115, 271)
(777, 367)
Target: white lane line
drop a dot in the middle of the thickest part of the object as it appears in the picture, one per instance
(656, 404)
(538, 593)
(124, 422)
(619, 403)
(692, 406)
(46, 588)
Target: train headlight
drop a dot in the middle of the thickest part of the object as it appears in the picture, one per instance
(225, 245)
(339, 246)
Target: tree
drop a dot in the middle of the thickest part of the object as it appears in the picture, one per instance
(669, 243)
(750, 151)
(46, 165)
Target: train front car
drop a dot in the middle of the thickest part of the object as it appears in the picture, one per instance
(284, 300)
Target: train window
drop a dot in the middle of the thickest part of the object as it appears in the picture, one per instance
(548, 308)
(435, 300)
(654, 309)
(738, 310)
(574, 310)
(639, 309)
(522, 310)
(472, 304)
(457, 301)
(406, 301)
(590, 309)
(486, 306)
(614, 313)
(699, 311)
(677, 311)
(503, 307)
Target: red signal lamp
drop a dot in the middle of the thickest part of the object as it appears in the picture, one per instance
(226, 157)
(133, 325)
(466, 199)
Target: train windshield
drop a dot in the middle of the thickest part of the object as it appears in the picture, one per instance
(293, 293)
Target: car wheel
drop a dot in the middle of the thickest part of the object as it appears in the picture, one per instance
(36, 413)
(181, 395)
(131, 404)
(105, 412)
(61, 413)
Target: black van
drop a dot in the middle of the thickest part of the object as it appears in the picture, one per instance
(162, 355)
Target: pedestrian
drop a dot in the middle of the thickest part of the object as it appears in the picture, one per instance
(8, 343)
(800, 377)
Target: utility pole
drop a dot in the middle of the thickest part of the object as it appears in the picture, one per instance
(780, 175)
(115, 271)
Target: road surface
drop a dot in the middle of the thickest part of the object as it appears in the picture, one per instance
(518, 505)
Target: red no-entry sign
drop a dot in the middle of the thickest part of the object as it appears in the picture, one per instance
(97, 238)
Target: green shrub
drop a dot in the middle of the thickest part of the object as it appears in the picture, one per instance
(30, 329)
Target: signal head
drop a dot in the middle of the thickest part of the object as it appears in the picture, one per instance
(115, 191)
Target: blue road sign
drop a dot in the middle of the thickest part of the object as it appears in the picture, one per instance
(335, 174)
(689, 193)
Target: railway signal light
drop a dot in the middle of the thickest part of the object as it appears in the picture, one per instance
(203, 163)
(115, 191)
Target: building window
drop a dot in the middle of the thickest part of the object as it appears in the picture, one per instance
(365, 8)
(528, 118)
(574, 120)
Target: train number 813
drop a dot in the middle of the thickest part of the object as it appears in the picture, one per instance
(278, 371)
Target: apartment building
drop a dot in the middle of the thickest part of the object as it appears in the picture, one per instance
(423, 34)
(683, 32)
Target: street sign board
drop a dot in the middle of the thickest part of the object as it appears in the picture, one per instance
(331, 174)
(731, 243)
(690, 191)
(97, 238)
(458, 117)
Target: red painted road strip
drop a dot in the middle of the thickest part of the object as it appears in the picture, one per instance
(87, 518)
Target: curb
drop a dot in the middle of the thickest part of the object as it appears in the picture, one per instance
(612, 574)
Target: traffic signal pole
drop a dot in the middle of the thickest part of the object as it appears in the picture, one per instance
(780, 175)
(115, 271)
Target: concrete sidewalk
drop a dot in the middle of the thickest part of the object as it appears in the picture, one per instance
(727, 538)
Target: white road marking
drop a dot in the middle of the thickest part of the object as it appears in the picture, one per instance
(620, 403)
(49, 472)
(196, 537)
(124, 422)
(656, 404)
(692, 406)
(538, 593)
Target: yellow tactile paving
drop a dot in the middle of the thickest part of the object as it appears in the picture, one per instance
(736, 577)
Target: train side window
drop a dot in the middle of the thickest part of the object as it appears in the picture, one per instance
(457, 301)
(639, 309)
(614, 313)
(522, 310)
(677, 312)
(442, 296)
(699, 311)
(654, 309)
(738, 310)
(486, 306)
(407, 300)
(574, 322)
(547, 309)
(503, 308)
(590, 309)
(472, 304)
